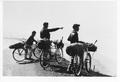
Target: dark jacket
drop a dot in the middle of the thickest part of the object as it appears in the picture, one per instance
(75, 48)
(30, 40)
(45, 33)
(73, 37)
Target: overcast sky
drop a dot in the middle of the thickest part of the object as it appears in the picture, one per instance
(97, 20)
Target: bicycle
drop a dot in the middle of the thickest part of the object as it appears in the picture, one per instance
(88, 58)
(79, 62)
(46, 54)
(19, 51)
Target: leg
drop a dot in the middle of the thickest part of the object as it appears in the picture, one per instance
(70, 64)
(26, 51)
(30, 53)
(82, 60)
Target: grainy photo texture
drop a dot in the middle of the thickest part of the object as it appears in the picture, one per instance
(59, 38)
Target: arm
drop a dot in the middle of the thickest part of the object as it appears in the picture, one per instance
(53, 29)
(77, 38)
(73, 37)
(34, 40)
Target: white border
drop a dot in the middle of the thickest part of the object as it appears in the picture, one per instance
(58, 0)
(61, 79)
(118, 37)
(1, 30)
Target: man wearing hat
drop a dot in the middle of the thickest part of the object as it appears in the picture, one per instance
(28, 45)
(73, 37)
(45, 32)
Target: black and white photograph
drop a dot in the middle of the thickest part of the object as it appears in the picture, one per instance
(59, 38)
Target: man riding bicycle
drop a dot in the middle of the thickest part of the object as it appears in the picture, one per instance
(29, 43)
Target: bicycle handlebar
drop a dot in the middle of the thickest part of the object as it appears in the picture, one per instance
(92, 43)
(61, 39)
(95, 41)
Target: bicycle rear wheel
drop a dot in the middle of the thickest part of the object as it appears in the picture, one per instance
(88, 62)
(37, 52)
(77, 65)
(44, 59)
(59, 55)
(18, 54)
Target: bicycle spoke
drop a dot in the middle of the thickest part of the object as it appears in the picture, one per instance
(44, 60)
(88, 62)
(37, 52)
(59, 55)
(21, 51)
(17, 55)
(77, 65)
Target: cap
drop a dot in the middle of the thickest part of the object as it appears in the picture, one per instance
(45, 23)
(76, 26)
(33, 32)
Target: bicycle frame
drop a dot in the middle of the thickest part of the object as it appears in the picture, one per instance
(84, 61)
(55, 46)
(88, 58)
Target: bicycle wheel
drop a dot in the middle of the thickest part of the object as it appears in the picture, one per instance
(59, 55)
(18, 54)
(37, 52)
(88, 62)
(44, 59)
(77, 65)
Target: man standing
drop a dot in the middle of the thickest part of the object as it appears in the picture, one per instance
(45, 32)
(74, 39)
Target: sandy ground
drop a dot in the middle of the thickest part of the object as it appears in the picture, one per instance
(25, 68)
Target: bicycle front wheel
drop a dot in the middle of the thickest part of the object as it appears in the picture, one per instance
(77, 65)
(59, 55)
(44, 59)
(18, 54)
(88, 62)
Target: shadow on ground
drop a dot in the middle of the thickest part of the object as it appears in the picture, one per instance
(62, 68)
(28, 61)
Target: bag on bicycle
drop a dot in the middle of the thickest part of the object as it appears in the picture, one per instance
(92, 48)
(75, 48)
(16, 46)
(44, 44)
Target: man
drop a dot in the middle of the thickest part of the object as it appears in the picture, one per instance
(45, 36)
(29, 43)
(45, 32)
(74, 46)
(73, 37)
